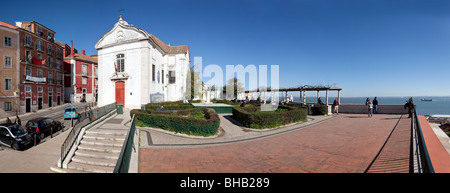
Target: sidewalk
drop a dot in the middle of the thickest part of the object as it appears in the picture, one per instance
(37, 159)
(40, 158)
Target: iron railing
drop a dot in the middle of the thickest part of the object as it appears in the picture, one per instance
(420, 161)
(85, 118)
(123, 163)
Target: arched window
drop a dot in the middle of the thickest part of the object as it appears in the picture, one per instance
(120, 62)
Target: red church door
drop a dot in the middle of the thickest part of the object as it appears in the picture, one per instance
(120, 93)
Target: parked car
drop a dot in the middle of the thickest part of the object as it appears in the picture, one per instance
(14, 136)
(42, 126)
(71, 112)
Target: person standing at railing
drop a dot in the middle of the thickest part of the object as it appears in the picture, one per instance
(410, 105)
(369, 107)
(375, 105)
(336, 106)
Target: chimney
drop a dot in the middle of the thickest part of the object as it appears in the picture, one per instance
(82, 51)
(71, 48)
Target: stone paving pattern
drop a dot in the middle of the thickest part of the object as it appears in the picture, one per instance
(347, 143)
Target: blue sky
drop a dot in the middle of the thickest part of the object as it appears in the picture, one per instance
(366, 47)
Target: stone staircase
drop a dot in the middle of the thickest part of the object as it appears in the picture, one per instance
(97, 152)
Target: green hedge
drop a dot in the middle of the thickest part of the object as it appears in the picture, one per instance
(252, 117)
(177, 105)
(179, 121)
(319, 110)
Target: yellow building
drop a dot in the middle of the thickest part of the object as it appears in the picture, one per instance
(9, 70)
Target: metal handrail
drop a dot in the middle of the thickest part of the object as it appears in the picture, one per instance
(123, 163)
(419, 147)
(85, 118)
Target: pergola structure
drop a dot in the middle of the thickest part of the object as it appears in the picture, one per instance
(302, 90)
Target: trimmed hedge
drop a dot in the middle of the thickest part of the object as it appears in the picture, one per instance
(177, 105)
(252, 117)
(179, 121)
(319, 110)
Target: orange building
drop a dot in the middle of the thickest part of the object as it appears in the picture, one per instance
(40, 70)
(9, 69)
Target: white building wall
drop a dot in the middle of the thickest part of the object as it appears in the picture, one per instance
(140, 54)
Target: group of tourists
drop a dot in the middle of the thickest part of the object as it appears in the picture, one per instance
(372, 106)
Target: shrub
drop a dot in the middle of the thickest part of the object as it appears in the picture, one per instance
(319, 110)
(180, 121)
(177, 105)
(254, 118)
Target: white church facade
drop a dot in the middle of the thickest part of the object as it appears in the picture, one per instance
(136, 68)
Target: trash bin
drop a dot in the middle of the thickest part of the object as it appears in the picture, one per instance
(119, 108)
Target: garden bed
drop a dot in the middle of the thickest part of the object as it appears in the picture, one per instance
(200, 121)
(253, 117)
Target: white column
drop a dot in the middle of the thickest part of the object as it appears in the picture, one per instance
(318, 95)
(339, 96)
(301, 97)
(326, 95)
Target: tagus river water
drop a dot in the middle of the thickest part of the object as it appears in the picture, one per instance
(438, 106)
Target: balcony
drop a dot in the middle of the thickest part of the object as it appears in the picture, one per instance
(50, 52)
(29, 44)
(84, 73)
(59, 55)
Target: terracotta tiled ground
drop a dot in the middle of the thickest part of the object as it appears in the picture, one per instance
(346, 144)
(394, 157)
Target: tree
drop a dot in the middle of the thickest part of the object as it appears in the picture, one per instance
(237, 87)
(193, 84)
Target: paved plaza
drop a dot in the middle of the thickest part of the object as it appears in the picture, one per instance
(347, 143)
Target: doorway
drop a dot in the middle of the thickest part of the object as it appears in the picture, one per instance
(83, 96)
(120, 93)
(28, 105)
(39, 103)
(50, 100)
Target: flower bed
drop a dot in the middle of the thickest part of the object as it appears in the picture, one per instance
(252, 117)
(183, 121)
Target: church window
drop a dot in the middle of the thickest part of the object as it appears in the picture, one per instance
(120, 61)
(153, 72)
(171, 77)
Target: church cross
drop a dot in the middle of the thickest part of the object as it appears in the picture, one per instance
(121, 10)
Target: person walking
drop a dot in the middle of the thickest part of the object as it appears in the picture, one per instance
(8, 120)
(369, 107)
(17, 121)
(336, 106)
(375, 106)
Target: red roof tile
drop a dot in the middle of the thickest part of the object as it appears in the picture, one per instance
(4, 24)
(169, 49)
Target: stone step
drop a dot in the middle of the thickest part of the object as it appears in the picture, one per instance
(89, 168)
(57, 169)
(109, 143)
(95, 154)
(100, 148)
(104, 137)
(101, 131)
(94, 161)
